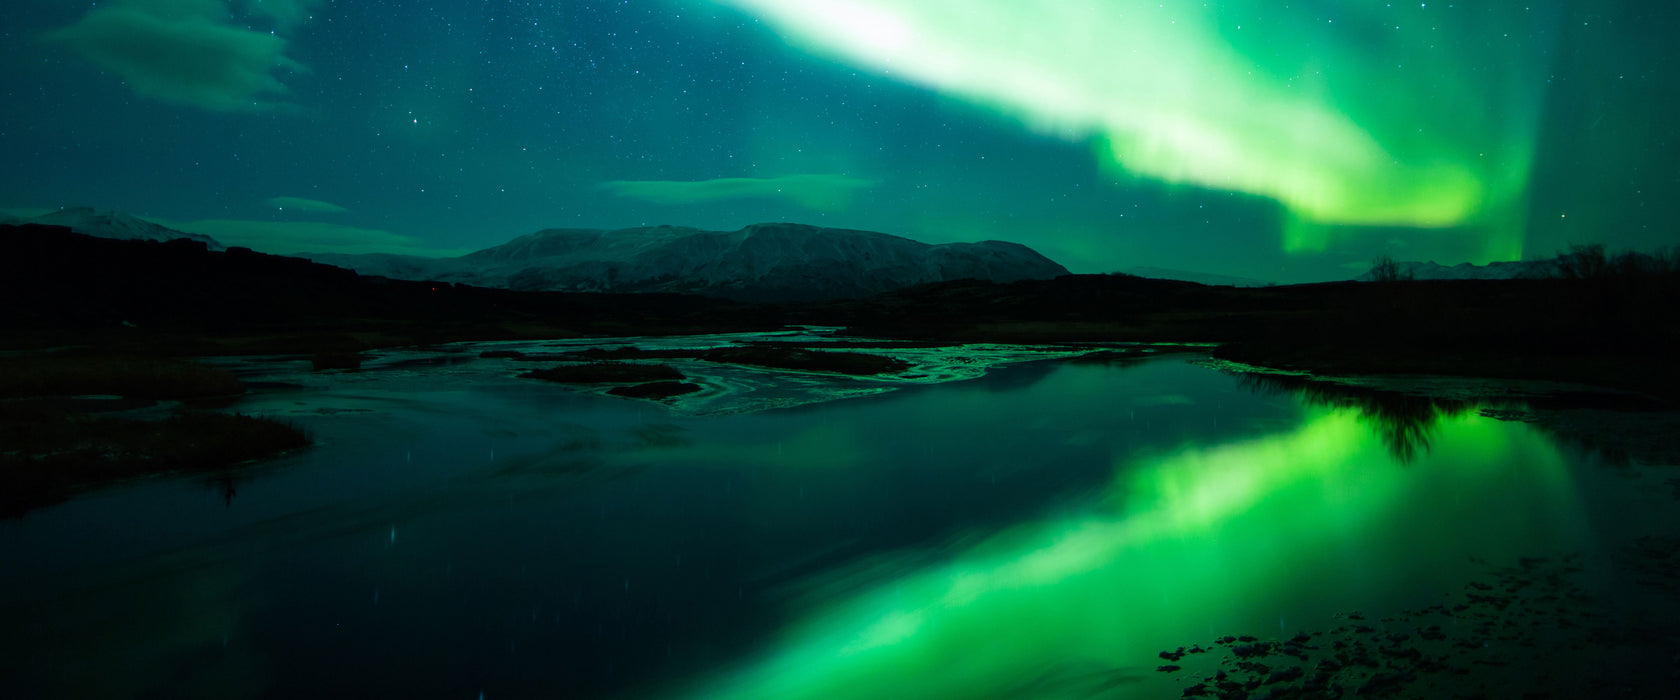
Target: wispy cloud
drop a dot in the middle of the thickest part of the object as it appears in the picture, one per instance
(822, 192)
(302, 204)
(291, 237)
(190, 51)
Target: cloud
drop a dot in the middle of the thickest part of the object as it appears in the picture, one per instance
(291, 237)
(301, 204)
(823, 192)
(187, 52)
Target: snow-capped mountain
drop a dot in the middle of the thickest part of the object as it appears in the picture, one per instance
(1524, 269)
(114, 224)
(762, 262)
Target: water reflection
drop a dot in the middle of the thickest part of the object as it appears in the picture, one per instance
(1404, 422)
(1359, 507)
(1040, 532)
(225, 483)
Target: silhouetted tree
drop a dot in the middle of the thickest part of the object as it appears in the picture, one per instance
(1385, 269)
(1657, 263)
(1583, 262)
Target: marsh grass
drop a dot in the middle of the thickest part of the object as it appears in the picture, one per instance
(52, 446)
(47, 454)
(138, 377)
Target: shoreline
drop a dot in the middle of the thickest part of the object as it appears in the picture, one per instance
(1625, 426)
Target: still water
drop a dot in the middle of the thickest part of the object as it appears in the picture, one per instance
(1038, 530)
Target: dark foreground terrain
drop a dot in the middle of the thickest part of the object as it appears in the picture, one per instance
(85, 316)
(179, 298)
(75, 421)
(1615, 331)
(1609, 328)
(97, 386)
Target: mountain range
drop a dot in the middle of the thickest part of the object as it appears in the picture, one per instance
(775, 262)
(111, 224)
(778, 262)
(759, 263)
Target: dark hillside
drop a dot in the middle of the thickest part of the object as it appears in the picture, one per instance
(59, 286)
(1613, 330)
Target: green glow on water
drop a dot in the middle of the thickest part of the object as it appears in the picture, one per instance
(1234, 538)
(1348, 115)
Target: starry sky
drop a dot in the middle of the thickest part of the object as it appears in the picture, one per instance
(1279, 141)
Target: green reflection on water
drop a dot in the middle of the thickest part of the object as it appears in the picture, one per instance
(1406, 423)
(1247, 536)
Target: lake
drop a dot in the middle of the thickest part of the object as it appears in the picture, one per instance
(1000, 522)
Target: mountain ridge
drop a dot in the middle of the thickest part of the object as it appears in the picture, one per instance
(107, 223)
(765, 262)
(782, 262)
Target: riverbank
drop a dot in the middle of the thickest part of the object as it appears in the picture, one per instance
(137, 298)
(70, 423)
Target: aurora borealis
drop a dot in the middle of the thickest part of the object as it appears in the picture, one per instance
(1245, 138)
(1181, 94)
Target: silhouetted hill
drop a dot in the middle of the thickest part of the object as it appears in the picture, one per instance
(1612, 331)
(52, 279)
(1198, 277)
(103, 223)
(1615, 330)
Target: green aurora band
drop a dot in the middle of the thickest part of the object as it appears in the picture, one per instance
(1347, 114)
(1182, 548)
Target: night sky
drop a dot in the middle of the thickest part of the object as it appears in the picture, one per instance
(1284, 142)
